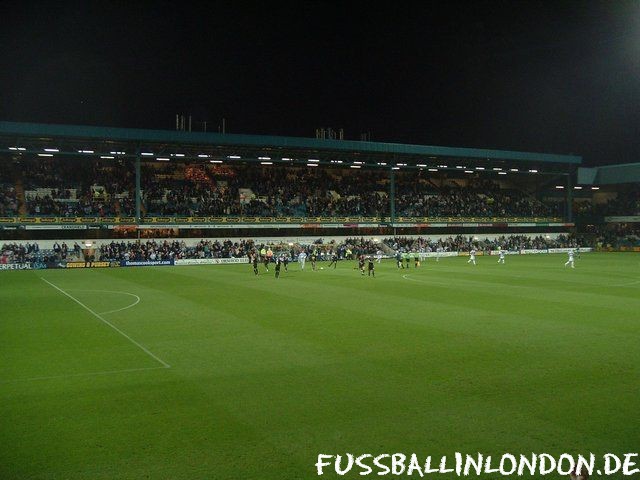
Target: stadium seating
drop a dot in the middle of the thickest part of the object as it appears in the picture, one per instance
(68, 188)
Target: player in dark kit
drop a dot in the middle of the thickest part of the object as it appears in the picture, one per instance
(254, 261)
(334, 261)
(278, 265)
(361, 264)
(285, 261)
(372, 268)
(399, 259)
(314, 259)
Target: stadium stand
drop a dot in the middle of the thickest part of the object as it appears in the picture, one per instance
(66, 188)
(188, 190)
(62, 188)
(167, 250)
(464, 243)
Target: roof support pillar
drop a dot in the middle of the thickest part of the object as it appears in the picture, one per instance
(392, 195)
(569, 215)
(138, 189)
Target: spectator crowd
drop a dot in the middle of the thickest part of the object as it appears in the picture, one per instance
(69, 188)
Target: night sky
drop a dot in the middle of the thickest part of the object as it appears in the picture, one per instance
(557, 77)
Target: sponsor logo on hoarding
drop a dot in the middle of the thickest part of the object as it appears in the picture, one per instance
(145, 263)
(211, 261)
(88, 264)
(15, 266)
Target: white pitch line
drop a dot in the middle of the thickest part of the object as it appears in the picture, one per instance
(124, 308)
(106, 322)
(118, 292)
(113, 291)
(88, 374)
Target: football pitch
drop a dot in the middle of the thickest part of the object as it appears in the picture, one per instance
(209, 372)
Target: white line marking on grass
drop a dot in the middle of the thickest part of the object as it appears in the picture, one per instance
(114, 291)
(88, 374)
(106, 322)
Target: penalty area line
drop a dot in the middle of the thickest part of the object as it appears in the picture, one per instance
(106, 322)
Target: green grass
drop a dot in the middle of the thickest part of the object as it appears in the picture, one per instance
(266, 374)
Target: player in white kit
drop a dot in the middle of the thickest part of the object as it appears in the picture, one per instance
(570, 261)
(379, 256)
(439, 251)
(472, 256)
(302, 257)
(501, 258)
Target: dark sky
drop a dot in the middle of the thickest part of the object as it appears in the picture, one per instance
(561, 77)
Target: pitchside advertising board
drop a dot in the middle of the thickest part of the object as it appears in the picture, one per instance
(211, 261)
(146, 263)
(534, 251)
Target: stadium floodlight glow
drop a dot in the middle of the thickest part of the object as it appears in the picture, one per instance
(108, 157)
(533, 171)
(502, 173)
(496, 169)
(162, 159)
(235, 157)
(177, 154)
(383, 164)
(266, 163)
(51, 150)
(595, 188)
(460, 166)
(433, 169)
(577, 188)
(421, 164)
(215, 161)
(147, 154)
(513, 169)
(314, 160)
(86, 151)
(264, 158)
(355, 166)
(13, 148)
(468, 171)
(117, 153)
(286, 159)
(312, 164)
(395, 168)
(45, 154)
(202, 155)
(337, 161)
(442, 166)
(479, 168)
(559, 187)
